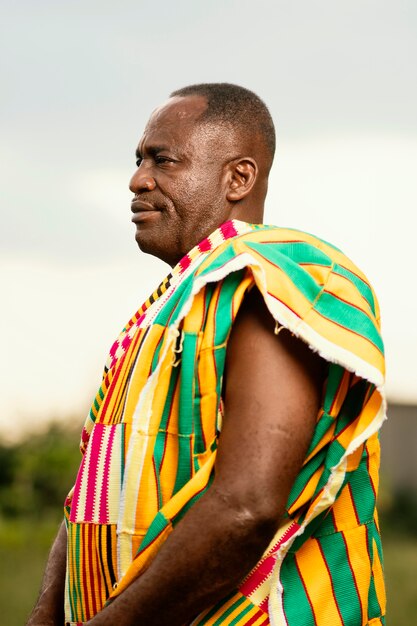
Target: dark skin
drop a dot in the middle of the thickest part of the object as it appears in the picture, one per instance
(272, 385)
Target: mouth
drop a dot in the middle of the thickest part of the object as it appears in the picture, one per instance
(142, 211)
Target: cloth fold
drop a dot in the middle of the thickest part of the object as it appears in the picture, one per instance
(149, 442)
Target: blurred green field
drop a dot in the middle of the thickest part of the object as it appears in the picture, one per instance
(24, 547)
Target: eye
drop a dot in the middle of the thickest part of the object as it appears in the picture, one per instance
(138, 161)
(160, 159)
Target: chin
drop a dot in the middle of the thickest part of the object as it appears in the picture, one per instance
(152, 245)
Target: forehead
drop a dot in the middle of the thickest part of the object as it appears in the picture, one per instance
(175, 118)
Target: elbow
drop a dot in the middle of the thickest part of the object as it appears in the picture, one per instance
(249, 513)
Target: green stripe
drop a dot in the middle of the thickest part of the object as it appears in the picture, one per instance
(209, 265)
(242, 614)
(302, 252)
(223, 318)
(186, 399)
(334, 379)
(191, 502)
(229, 611)
(168, 400)
(362, 492)
(352, 406)
(303, 281)
(159, 523)
(304, 476)
(349, 317)
(325, 422)
(172, 306)
(374, 610)
(214, 609)
(363, 288)
(297, 608)
(336, 557)
(185, 463)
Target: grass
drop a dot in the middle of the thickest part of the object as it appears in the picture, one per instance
(400, 557)
(24, 549)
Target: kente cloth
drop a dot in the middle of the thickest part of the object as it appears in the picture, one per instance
(149, 442)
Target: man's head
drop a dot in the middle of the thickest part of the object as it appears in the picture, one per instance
(204, 158)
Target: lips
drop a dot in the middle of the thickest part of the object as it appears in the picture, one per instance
(138, 206)
(143, 211)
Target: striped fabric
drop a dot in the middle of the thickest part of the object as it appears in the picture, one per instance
(149, 443)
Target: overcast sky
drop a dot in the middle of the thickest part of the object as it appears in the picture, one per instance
(78, 82)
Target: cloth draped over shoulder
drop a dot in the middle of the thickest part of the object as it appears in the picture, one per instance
(149, 442)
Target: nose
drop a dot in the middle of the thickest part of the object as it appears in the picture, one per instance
(141, 180)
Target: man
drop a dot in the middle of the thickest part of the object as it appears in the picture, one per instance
(231, 455)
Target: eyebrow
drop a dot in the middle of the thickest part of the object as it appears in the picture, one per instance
(152, 150)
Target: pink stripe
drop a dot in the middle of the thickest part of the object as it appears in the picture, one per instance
(76, 495)
(114, 348)
(205, 245)
(96, 440)
(104, 499)
(185, 262)
(126, 342)
(228, 230)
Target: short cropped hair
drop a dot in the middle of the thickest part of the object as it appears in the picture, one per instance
(237, 106)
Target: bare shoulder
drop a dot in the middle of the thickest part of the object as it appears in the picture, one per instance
(255, 348)
(272, 392)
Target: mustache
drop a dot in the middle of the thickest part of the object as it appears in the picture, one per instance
(151, 199)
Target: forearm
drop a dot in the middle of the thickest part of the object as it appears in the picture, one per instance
(207, 555)
(49, 609)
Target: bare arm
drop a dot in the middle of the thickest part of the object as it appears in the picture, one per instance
(49, 609)
(272, 395)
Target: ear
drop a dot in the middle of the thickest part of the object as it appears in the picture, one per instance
(242, 177)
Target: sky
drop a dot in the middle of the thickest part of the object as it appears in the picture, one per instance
(78, 83)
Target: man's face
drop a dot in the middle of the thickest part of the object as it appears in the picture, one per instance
(180, 182)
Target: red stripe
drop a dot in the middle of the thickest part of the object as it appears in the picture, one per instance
(353, 503)
(85, 573)
(348, 330)
(368, 467)
(116, 376)
(258, 576)
(257, 616)
(284, 303)
(355, 306)
(264, 567)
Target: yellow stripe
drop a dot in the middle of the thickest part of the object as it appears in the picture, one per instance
(357, 548)
(366, 417)
(308, 491)
(346, 339)
(223, 609)
(318, 583)
(344, 510)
